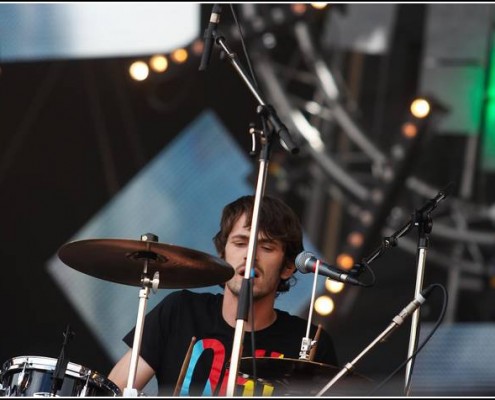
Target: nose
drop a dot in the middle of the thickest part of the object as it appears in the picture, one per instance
(255, 256)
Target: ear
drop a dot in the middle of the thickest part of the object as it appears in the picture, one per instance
(287, 270)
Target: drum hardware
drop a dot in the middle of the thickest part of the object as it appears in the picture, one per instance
(121, 261)
(307, 343)
(4, 392)
(62, 361)
(22, 380)
(32, 376)
(132, 262)
(85, 388)
(297, 377)
(147, 284)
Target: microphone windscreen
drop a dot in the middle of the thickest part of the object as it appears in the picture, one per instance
(301, 260)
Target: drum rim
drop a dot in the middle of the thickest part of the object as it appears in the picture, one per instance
(74, 370)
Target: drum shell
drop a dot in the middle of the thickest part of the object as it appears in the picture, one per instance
(31, 376)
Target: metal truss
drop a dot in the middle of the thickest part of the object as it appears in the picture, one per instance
(314, 102)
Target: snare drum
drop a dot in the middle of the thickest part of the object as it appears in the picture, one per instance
(32, 376)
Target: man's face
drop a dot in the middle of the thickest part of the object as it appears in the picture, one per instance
(268, 265)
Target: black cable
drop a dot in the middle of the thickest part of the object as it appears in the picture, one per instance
(253, 341)
(246, 54)
(358, 269)
(437, 324)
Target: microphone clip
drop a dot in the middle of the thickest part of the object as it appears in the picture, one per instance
(306, 345)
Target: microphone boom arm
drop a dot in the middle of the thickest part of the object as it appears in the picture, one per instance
(264, 109)
(416, 219)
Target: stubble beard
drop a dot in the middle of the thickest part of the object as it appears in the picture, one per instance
(234, 286)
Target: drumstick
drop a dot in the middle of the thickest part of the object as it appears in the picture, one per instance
(185, 364)
(312, 352)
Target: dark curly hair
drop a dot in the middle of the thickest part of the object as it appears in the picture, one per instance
(277, 221)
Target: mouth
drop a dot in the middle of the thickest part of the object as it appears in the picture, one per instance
(242, 270)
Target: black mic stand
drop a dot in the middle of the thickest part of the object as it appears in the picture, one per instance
(397, 321)
(267, 113)
(264, 109)
(422, 219)
(244, 295)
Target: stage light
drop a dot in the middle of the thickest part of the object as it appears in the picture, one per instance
(324, 305)
(179, 56)
(197, 47)
(334, 286)
(298, 8)
(158, 63)
(139, 70)
(345, 261)
(366, 217)
(319, 6)
(420, 108)
(355, 239)
(409, 130)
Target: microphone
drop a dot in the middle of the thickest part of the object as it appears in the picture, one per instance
(208, 36)
(306, 262)
(433, 203)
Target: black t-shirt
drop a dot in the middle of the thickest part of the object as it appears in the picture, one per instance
(182, 315)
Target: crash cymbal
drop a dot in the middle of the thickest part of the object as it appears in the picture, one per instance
(123, 260)
(297, 377)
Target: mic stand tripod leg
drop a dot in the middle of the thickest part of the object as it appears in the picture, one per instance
(349, 366)
(396, 322)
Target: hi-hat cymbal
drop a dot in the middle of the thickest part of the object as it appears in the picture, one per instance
(296, 377)
(123, 261)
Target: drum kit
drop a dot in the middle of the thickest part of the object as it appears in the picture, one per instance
(133, 262)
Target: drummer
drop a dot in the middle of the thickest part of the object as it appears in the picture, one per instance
(207, 321)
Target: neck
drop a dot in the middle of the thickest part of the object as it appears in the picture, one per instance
(264, 313)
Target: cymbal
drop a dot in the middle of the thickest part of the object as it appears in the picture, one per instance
(298, 377)
(285, 367)
(123, 260)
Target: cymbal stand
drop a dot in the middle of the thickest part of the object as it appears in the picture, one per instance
(267, 114)
(147, 284)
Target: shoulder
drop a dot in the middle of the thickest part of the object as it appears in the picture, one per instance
(285, 318)
(291, 325)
